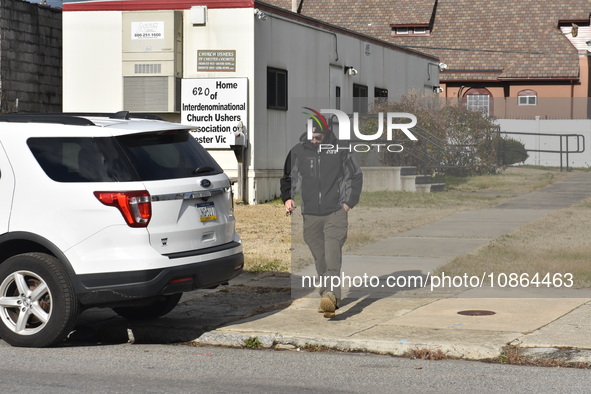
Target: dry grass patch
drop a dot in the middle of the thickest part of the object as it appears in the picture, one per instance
(266, 235)
(272, 241)
(367, 225)
(513, 180)
(511, 354)
(426, 354)
(555, 244)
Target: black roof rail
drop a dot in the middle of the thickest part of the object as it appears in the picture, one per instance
(129, 115)
(146, 116)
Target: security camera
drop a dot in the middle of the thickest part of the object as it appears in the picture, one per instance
(260, 14)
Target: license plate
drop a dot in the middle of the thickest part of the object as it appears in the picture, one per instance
(206, 211)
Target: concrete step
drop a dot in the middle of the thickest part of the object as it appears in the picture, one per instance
(398, 179)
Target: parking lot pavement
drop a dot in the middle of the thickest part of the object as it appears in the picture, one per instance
(197, 312)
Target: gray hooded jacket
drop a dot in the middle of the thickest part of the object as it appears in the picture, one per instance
(329, 177)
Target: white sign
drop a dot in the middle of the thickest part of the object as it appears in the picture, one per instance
(217, 108)
(147, 30)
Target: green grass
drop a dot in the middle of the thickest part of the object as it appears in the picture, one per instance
(253, 343)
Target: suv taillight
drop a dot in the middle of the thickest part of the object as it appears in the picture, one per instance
(135, 206)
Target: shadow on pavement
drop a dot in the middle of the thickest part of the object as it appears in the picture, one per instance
(197, 312)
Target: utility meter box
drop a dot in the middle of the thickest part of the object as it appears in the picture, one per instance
(152, 60)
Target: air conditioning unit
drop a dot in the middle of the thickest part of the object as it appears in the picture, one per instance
(152, 60)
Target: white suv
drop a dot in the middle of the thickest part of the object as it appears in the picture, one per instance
(117, 211)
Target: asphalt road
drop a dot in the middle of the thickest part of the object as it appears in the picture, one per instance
(134, 368)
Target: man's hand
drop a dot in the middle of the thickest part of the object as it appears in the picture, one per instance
(346, 207)
(289, 206)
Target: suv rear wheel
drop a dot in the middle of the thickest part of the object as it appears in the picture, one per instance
(38, 306)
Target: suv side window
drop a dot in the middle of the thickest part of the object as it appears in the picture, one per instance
(144, 157)
(80, 159)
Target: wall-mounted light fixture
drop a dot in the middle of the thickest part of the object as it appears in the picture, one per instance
(574, 30)
(351, 70)
(440, 66)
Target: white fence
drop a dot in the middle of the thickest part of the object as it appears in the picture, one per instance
(551, 142)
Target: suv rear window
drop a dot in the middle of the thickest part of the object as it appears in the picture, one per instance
(134, 157)
(166, 155)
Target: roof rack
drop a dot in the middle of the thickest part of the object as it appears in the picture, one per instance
(128, 115)
(72, 118)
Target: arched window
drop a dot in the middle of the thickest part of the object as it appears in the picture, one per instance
(527, 97)
(479, 99)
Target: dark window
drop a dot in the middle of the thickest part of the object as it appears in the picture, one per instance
(167, 155)
(360, 104)
(479, 99)
(380, 95)
(81, 159)
(527, 97)
(276, 89)
(133, 157)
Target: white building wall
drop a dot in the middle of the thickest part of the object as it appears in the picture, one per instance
(230, 29)
(92, 61)
(313, 57)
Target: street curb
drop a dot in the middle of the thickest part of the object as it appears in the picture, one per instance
(402, 348)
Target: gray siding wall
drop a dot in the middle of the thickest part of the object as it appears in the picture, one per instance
(30, 57)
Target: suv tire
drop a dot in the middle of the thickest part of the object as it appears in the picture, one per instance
(38, 305)
(153, 311)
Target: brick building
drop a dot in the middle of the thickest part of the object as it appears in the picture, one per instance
(508, 59)
(30, 57)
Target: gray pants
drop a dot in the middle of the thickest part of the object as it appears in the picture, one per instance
(325, 236)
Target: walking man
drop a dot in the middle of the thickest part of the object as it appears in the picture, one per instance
(331, 182)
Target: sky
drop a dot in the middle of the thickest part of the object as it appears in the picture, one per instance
(53, 3)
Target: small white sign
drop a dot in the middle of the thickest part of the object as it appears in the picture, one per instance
(147, 30)
(217, 108)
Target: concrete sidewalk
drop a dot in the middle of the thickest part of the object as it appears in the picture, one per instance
(386, 321)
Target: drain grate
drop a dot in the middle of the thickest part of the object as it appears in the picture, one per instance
(476, 313)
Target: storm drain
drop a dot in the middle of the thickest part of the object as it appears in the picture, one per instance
(476, 313)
